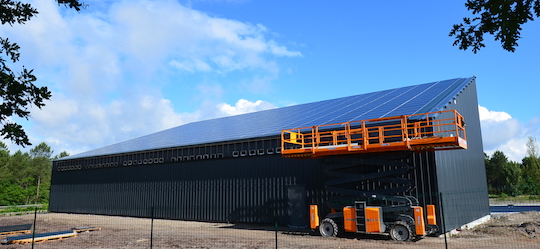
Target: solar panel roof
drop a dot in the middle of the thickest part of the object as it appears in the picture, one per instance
(408, 100)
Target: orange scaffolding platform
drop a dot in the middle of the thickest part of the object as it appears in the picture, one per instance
(401, 133)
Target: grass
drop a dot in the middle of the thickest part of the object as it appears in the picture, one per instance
(17, 209)
(519, 198)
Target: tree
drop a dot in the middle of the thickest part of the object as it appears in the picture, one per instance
(494, 171)
(501, 18)
(19, 168)
(62, 154)
(17, 90)
(512, 178)
(41, 165)
(531, 168)
(532, 148)
(531, 175)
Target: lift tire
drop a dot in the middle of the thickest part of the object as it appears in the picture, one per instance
(328, 228)
(401, 231)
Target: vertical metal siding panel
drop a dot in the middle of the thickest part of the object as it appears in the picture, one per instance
(191, 201)
(211, 197)
(182, 200)
(461, 174)
(200, 199)
(187, 200)
(177, 194)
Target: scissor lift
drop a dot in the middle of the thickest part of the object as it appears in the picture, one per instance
(401, 133)
(399, 216)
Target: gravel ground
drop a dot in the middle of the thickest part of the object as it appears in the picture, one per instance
(518, 230)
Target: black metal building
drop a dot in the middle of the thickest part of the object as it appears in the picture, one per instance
(231, 169)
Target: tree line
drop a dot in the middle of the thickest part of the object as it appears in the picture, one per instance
(25, 177)
(514, 178)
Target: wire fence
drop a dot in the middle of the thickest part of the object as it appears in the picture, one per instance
(511, 228)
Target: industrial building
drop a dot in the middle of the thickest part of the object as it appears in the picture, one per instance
(233, 168)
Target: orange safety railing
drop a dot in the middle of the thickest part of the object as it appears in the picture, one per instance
(409, 132)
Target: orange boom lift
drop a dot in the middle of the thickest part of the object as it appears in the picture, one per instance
(399, 216)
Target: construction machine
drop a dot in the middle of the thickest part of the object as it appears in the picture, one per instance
(374, 211)
(398, 216)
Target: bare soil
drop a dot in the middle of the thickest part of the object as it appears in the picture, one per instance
(518, 230)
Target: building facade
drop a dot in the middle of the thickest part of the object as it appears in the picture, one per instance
(231, 169)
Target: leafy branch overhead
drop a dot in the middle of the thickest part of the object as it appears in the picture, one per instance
(501, 18)
(17, 90)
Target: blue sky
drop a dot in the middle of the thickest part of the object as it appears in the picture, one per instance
(123, 69)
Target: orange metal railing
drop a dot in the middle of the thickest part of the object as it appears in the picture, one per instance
(427, 131)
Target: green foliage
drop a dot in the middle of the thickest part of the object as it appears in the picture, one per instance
(503, 19)
(515, 199)
(17, 90)
(25, 178)
(13, 208)
(513, 178)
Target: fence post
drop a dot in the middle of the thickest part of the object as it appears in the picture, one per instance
(276, 224)
(442, 219)
(152, 228)
(34, 227)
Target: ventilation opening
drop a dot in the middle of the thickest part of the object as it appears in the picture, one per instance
(235, 153)
(243, 153)
(270, 151)
(260, 152)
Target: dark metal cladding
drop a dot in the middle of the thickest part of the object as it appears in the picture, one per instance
(461, 174)
(248, 182)
(237, 187)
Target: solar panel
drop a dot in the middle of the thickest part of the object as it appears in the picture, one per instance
(394, 102)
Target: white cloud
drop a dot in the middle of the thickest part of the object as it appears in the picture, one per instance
(244, 106)
(502, 132)
(492, 116)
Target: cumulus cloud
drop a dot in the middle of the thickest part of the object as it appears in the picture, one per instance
(107, 66)
(244, 106)
(500, 131)
(492, 116)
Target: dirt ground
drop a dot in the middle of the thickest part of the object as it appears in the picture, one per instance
(517, 230)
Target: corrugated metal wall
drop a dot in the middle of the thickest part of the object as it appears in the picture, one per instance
(235, 189)
(461, 173)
